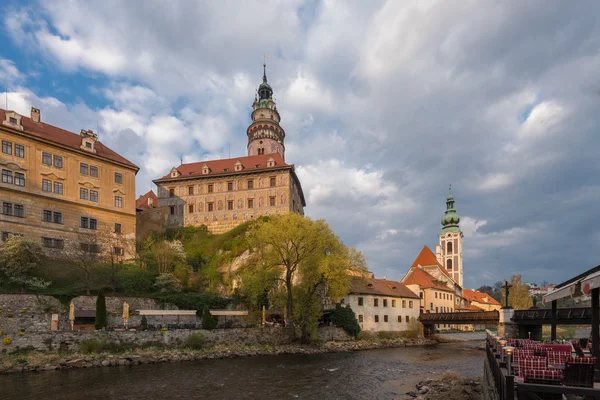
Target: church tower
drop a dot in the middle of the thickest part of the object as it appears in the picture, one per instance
(449, 251)
(265, 136)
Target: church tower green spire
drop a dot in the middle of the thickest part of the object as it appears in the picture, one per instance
(449, 251)
(451, 218)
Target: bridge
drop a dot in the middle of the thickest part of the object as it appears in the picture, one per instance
(458, 318)
(528, 322)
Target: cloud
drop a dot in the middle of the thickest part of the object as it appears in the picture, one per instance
(384, 104)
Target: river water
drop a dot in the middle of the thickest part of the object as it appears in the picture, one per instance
(370, 374)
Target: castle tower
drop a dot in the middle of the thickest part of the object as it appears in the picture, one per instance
(265, 136)
(449, 251)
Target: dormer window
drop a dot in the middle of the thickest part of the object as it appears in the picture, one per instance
(238, 166)
(175, 173)
(88, 139)
(205, 169)
(225, 169)
(13, 120)
(270, 162)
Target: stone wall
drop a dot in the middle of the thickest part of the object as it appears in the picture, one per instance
(332, 334)
(33, 313)
(70, 340)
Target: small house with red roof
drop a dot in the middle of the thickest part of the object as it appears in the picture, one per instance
(382, 305)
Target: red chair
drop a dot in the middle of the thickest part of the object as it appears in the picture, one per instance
(545, 377)
(556, 357)
(531, 363)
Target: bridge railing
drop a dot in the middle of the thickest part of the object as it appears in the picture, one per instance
(579, 313)
(460, 317)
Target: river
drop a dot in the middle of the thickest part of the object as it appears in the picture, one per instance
(370, 374)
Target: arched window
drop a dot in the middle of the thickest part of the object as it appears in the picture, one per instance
(449, 264)
(449, 248)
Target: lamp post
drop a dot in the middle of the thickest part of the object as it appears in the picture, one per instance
(508, 350)
(502, 343)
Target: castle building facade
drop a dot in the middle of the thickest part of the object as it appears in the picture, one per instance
(221, 194)
(64, 190)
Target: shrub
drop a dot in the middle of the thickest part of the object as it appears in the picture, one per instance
(208, 321)
(91, 346)
(168, 283)
(195, 341)
(137, 280)
(101, 317)
(144, 323)
(344, 318)
(415, 329)
(389, 334)
(6, 341)
(367, 335)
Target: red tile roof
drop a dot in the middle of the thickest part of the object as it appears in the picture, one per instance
(141, 203)
(416, 276)
(427, 258)
(480, 297)
(226, 166)
(63, 137)
(381, 287)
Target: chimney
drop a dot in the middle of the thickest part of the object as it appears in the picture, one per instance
(35, 114)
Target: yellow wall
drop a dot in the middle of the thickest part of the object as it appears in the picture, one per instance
(69, 204)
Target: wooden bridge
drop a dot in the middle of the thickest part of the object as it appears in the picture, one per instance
(458, 318)
(564, 316)
(536, 316)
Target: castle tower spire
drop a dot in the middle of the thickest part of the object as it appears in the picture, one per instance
(449, 251)
(265, 135)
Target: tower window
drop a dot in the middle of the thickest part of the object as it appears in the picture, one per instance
(449, 247)
(449, 264)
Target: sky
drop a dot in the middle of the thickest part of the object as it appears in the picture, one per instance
(384, 105)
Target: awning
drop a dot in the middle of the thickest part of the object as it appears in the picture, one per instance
(569, 290)
(228, 313)
(590, 282)
(167, 312)
(85, 313)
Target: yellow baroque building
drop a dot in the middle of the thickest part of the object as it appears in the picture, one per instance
(68, 191)
(221, 194)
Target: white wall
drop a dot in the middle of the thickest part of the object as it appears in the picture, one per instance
(368, 311)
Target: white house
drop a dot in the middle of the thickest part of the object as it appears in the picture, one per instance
(382, 305)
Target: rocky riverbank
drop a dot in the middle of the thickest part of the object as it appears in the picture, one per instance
(450, 386)
(31, 361)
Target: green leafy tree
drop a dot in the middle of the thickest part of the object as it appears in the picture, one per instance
(307, 259)
(101, 315)
(345, 318)
(518, 295)
(209, 322)
(19, 257)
